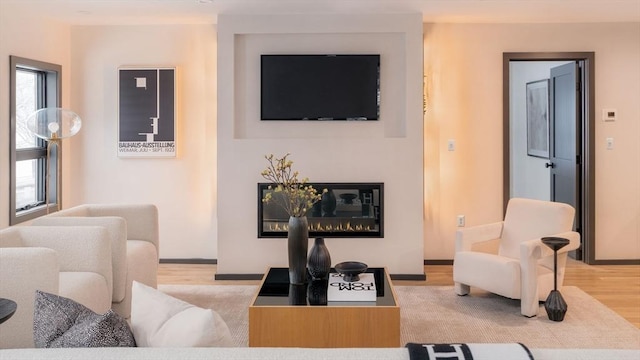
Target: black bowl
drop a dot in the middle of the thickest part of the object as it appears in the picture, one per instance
(348, 197)
(351, 270)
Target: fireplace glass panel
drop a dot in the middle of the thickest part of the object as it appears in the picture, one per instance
(346, 210)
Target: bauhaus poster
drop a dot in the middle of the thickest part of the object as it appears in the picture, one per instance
(147, 112)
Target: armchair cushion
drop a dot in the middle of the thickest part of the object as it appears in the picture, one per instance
(141, 243)
(528, 219)
(62, 322)
(499, 275)
(70, 261)
(22, 270)
(117, 229)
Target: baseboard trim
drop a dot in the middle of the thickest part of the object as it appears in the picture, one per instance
(616, 262)
(189, 261)
(597, 262)
(238, 276)
(412, 277)
(438, 262)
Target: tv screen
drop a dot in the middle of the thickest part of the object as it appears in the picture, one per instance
(320, 87)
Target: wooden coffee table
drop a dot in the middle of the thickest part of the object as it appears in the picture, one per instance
(279, 317)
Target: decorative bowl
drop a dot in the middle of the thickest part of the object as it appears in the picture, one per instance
(351, 270)
(348, 197)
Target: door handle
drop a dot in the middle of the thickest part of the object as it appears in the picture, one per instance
(550, 165)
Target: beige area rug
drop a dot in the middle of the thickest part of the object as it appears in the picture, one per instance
(434, 314)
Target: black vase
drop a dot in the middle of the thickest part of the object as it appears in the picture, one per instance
(319, 263)
(317, 292)
(297, 294)
(555, 306)
(297, 246)
(329, 203)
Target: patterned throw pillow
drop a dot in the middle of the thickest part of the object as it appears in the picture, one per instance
(62, 322)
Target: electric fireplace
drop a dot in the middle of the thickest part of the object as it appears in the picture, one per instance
(346, 210)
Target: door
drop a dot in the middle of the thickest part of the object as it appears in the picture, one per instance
(565, 135)
(580, 141)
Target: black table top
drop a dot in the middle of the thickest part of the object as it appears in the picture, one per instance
(7, 309)
(555, 243)
(276, 290)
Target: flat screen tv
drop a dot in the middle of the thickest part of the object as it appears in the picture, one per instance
(320, 87)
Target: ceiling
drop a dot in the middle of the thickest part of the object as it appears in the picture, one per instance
(132, 12)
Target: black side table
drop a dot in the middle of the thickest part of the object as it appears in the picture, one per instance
(7, 309)
(555, 305)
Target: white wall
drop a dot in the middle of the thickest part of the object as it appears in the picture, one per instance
(529, 177)
(388, 150)
(463, 68)
(181, 187)
(37, 39)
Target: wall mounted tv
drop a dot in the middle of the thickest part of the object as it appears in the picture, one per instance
(320, 87)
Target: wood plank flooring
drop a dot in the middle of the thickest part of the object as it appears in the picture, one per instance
(616, 286)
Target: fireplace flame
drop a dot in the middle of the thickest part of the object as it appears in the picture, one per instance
(317, 226)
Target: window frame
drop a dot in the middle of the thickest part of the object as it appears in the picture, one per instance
(50, 87)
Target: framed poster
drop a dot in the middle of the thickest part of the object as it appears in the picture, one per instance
(538, 118)
(147, 112)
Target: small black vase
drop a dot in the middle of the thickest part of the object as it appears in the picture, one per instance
(317, 292)
(319, 263)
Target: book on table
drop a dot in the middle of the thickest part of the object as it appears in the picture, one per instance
(361, 290)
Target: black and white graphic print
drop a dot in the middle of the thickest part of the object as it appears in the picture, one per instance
(147, 113)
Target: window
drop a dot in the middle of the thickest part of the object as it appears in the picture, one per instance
(34, 85)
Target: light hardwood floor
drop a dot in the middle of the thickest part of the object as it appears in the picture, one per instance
(616, 286)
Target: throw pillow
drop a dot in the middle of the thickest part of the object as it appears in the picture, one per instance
(62, 322)
(160, 320)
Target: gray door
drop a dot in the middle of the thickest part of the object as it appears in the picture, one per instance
(564, 125)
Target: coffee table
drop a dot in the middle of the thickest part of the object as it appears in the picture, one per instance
(282, 317)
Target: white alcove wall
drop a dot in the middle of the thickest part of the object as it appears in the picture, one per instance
(388, 150)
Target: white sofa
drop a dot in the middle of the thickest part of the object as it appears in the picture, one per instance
(284, 354)
(73, 262)
(133, 229)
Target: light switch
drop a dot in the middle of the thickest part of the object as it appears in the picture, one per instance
(451, 145)
(609, 143)
(609, 114)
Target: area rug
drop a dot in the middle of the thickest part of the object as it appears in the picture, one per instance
(434, 314)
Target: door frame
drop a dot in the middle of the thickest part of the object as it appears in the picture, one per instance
(587, 167)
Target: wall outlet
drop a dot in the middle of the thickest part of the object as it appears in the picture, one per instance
(460, 220)
(451, 145)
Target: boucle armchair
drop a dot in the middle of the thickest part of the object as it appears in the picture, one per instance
(71, 262)
(135, 243)
(509, 259)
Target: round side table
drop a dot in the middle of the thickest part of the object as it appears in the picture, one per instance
(555, 305)
(7, 309)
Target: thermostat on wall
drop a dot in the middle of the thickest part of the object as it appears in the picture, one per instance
(609, 114)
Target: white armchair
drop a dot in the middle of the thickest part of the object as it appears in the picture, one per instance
(134, 233)
(70, 262)
(508, 258)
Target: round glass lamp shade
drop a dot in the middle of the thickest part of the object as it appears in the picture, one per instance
(54, 123)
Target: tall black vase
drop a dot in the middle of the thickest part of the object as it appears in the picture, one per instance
(319, 263)
(297, 246)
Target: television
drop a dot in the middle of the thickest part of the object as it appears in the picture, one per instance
(319, 87)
